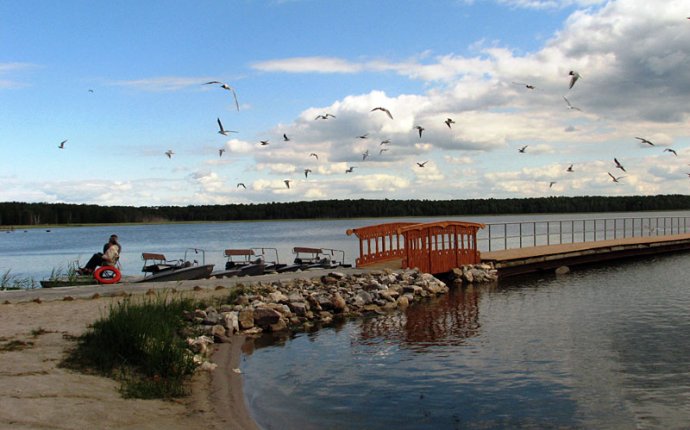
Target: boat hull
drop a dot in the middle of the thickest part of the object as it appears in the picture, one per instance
(182, 274)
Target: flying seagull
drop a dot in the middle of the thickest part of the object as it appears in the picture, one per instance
(226, 87)
(523, 149)
(307, 172)
(571, 106)
(325, 116)
(528, 86)
(643, 140)
(385, 142)
(285, 138)
(615, 179)
(220, 152)
(315, 155)
(574, 76)
(421, 129)
(382, 150)
(363, 136)
(619, 165)
(240, 184)
(287, 183)
(551, 184)
(264, 142)
(365, 154)
(383, 109)
(169, 153)
(422, 164)
(673, 151)
(222, 130)
(448, 122)
(62, 144)
(350, 169)
(569, 169)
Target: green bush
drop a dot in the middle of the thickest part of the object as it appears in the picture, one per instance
(139, 343)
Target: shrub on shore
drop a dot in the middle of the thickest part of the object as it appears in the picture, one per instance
(139, 343)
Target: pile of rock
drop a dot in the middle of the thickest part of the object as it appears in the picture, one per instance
(300, 304)
(475, 274)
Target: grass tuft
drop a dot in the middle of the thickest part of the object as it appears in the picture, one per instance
(139, 344)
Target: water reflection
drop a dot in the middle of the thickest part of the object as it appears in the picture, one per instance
(444, 321)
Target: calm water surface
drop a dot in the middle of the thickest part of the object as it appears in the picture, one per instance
(600, 348)
(36, 252)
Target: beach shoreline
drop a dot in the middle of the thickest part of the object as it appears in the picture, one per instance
(36, 392)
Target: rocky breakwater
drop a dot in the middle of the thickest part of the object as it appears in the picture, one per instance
(474, 274)
(302, 304)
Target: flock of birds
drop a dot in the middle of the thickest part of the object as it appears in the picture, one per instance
(574, 77)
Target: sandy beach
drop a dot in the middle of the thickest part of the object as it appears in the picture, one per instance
(38, 394)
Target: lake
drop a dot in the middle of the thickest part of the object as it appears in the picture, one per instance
(604, 347)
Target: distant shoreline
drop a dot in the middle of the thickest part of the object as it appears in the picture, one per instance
(9, 228)
(61, 214)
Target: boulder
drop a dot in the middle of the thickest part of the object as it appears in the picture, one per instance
(265, 317)
(246, 319)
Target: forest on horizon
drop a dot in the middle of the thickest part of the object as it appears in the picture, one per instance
(18, 213)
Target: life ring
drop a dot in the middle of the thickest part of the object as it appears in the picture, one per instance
(107, 275)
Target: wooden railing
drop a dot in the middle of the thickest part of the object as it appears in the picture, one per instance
(380, 242)
(440, 246)
(432, 247)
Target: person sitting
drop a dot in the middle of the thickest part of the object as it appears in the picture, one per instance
(109, 256)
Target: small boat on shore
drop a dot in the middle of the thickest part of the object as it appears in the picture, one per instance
(157, 268)
(315, 258)
(248, 262)
(102, 275)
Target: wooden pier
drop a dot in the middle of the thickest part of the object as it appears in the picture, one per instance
(439, 247)
(519, 261)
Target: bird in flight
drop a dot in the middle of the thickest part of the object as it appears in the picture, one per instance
(571, 106)
(528, 86)
(62, 144)
(385, 142)
(574, 76)
(619, 165)
(220, 152)
(350, 169)
(551, 184)
(365, 154)
(169, 153)
(383, 109)
(222, 130)
(315, 155)
(285, 138)
(225, 86)
(240, 184)
(422, 164)
(421, 129)
(523, 149)
(448, 122)
(307, 172)
(569, 169)
(672, 151)
(363, 136)
(287, 183)
(264, 142)
(643, 140)
(325, 116)
(382, 150)
(615, 179)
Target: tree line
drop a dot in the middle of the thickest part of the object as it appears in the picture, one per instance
(18, 213)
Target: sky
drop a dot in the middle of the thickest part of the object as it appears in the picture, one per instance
(125, 82)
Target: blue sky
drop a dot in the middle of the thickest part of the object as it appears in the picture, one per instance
(122, 82)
